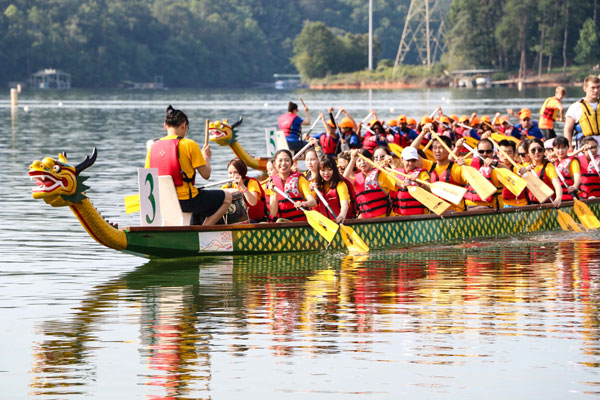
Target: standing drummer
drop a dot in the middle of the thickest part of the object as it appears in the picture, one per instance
(179, 157)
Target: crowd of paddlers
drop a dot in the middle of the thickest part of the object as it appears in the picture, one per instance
(441, 163)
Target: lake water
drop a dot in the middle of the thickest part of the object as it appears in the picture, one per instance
(495, 319)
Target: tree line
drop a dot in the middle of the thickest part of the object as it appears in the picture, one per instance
(204, 43)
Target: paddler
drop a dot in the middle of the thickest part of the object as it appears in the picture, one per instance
(590, 168)
(292, 183)
(442, 169)
(568, 167)
(403, 203)
(509, 148)
(545, 170)
(375, 136)
(552, 110)
(371, 187)
(328, 140)
(585, 112)
(484, 164)
(526, 128)
(336, 190)
(349, 128)
(181, 158)
(250, 189)
(291, 125)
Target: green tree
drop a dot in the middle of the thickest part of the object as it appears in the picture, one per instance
(315, 50)
(587, 50)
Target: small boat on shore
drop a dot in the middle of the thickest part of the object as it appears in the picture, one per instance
(61, 184)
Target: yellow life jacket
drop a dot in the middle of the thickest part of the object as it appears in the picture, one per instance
(590, 119)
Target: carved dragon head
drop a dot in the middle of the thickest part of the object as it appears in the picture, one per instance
(59, 183)
(222, 133)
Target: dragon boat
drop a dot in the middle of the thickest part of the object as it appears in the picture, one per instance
(60, 184)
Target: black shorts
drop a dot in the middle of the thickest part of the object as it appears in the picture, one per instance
(205, 204)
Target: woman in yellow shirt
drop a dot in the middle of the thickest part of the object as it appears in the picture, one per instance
(338, 194)
(545, 170)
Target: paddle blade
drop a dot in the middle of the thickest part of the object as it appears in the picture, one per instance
(353, 242)
(567, 223)
(537, 187)
(397, 149)
(132, 203)
(471, 141)
(323, 225)
(447, 191)
(585, 215)
(498, 137)
(511, 181)
(429, 200)
(482, 186)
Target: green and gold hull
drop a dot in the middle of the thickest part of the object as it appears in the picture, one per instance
(380, 233)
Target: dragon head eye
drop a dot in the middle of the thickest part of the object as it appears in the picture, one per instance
(56, 168)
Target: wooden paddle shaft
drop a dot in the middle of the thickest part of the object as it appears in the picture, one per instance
(379, 168)
(393, 171)
(206, 132)
(301, 151)
(444, 145)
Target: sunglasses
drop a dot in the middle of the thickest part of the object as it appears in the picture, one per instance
(535, 150)
(522, 154)
(491, 151)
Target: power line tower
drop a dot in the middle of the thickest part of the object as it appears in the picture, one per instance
(423, 31)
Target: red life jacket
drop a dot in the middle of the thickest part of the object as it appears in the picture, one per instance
(292, 189)
(285, 123)
(545, 179)
(402, 201)
(371, 199)
(446, 176)
(164, 155)
(369, 144)
(590, 180)
(334, 202)
(328, 144)
(258, 211)
(563, 168)
(487, 173)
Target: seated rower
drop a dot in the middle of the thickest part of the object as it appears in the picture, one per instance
(523, 153)
(292, 183)
(484, 164)
(338, 193)
(509, 148)
(568, 167)
(343, 159)
(545, 170)
(349, 139)
(590, 168)
(251, 190)
(403, 203)
(328, 140)
(180, 157)
(311, 160)
(442, 169)
(371, 187)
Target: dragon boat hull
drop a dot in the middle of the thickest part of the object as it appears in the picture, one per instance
(379, 233)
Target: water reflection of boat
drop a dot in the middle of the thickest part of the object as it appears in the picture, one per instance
(183, 313)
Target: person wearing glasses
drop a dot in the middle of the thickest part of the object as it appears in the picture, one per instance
(523, 153)
(590, 176)
(545, 170)
(403, 203)
(484, 164)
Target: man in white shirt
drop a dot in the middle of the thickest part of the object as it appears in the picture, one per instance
(584, 112)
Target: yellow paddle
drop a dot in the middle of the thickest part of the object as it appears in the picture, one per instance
(429, 200)
(351, 239)
(396, 148)
(509, 179)
(480, 184)
(447, 191)
(567, 223)
(540, 190)
(132, 203)
(320, 223)
(585, 214)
